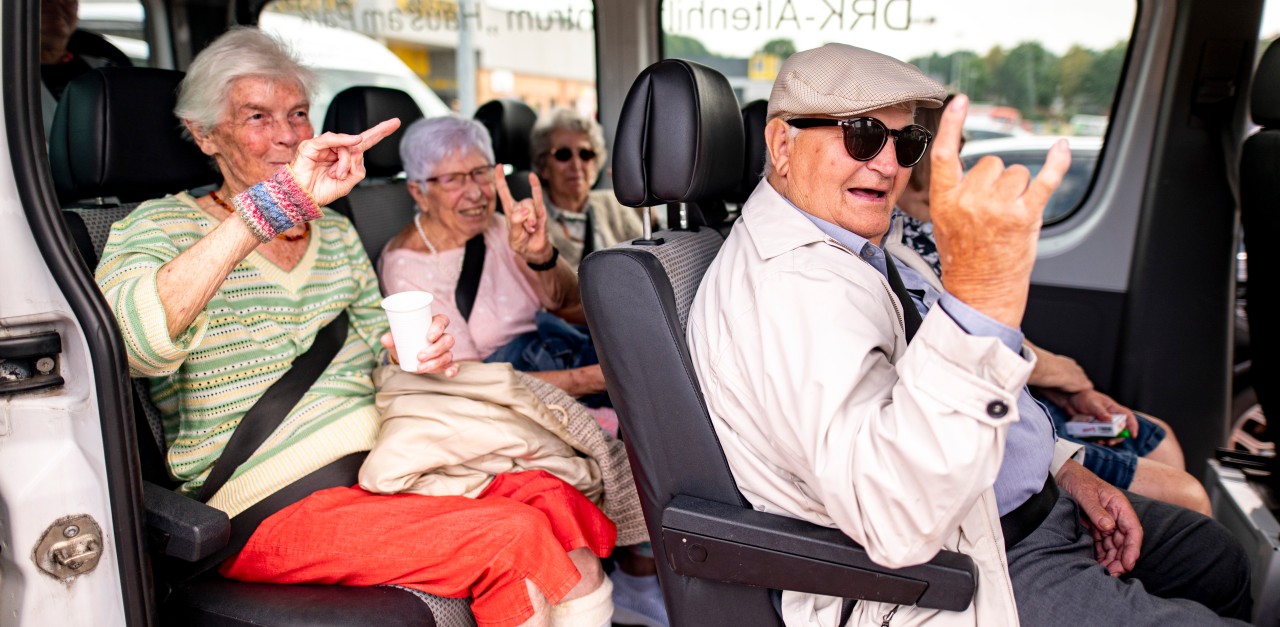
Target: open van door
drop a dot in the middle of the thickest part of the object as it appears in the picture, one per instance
(70, 498)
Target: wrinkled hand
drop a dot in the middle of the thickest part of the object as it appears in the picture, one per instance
(526, 220)
(437, 357)
(1100, 406)
(330, 165)
(1058, 372)
(1108, 515)
(987, 222)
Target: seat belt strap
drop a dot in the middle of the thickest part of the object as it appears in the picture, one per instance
(464, 295)
(262, 419)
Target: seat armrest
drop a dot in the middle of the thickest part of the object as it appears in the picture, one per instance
(728, 543)
(183, 527)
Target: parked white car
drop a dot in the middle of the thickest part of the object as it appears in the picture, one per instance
(1030, 151)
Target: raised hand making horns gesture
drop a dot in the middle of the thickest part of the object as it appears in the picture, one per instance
(526, 220)
(987, 221)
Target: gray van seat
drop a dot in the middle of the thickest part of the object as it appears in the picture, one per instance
(680, 139)
(380, 205)
(1259, 187)
(127, 147)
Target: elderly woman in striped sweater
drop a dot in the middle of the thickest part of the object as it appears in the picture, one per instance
(217, 295)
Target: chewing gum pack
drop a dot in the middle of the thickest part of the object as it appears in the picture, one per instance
(1094, 428)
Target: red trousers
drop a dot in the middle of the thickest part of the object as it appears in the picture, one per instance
(521, 527)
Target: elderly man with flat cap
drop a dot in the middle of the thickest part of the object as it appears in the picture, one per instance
(838, 402)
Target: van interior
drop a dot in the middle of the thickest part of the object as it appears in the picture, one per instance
(1142, 276)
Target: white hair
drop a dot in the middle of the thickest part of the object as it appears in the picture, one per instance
(240, 53)
(564, 120)
(427, 142)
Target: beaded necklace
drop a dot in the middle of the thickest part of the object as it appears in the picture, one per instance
(306, 226)
(435, 254)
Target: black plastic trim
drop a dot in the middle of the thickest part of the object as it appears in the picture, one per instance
(183, 527)
(710, 540)
(24, 130)
(30, 345)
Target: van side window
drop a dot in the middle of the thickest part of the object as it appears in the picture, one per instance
(1054, 74)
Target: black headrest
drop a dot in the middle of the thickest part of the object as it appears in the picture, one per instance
(679, 138)
(114, 134)
(1265, 101)
(510, 123)
(91, 44)
(355, 109)
(753, 115)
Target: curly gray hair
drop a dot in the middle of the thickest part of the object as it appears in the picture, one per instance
(427, 142)
(564, 120)
(240, 53)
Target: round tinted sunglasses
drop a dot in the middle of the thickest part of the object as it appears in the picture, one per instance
(864, 138)
(565, 154)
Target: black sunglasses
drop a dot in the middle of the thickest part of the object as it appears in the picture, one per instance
(565, 154)
(864, 138)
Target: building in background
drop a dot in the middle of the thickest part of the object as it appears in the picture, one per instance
(540, 52)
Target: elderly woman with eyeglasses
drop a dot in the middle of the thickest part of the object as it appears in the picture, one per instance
(219, 295)
(500, 281)
(568, 154)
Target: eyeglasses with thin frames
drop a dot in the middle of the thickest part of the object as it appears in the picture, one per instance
(865, 137)
(454, 181)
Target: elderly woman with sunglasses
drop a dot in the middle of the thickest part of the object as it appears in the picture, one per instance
(500, 281)
(568, 153)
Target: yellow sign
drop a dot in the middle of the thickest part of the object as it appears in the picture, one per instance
(763, 66)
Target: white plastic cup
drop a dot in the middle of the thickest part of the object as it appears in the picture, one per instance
(410, 316)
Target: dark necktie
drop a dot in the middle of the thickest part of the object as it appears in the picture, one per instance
(910, 315)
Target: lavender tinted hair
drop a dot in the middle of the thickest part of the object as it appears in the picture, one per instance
(428, 142)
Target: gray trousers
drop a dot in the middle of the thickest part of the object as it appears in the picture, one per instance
(1191, 572)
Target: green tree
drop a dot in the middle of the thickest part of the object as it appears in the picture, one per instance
(1098, 88)
(993, 61)
(962, 71)
(968, 74)
(683, 46)
(934, 65)
(1076, 66)
(1028, 79)
(782, 47)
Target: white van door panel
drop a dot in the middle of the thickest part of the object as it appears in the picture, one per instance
(51, 454)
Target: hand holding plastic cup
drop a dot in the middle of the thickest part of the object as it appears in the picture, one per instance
(410, 316)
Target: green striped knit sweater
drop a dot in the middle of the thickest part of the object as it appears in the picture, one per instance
(261, 319)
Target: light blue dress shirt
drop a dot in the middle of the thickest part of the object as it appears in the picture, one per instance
(1028, 450)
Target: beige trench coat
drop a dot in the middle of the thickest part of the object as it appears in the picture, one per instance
(825, 414)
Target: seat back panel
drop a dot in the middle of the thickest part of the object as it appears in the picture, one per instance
(637, 301)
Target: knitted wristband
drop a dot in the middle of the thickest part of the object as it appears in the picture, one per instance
(275, 205)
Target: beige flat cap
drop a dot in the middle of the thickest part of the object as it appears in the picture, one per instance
(841, 81)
